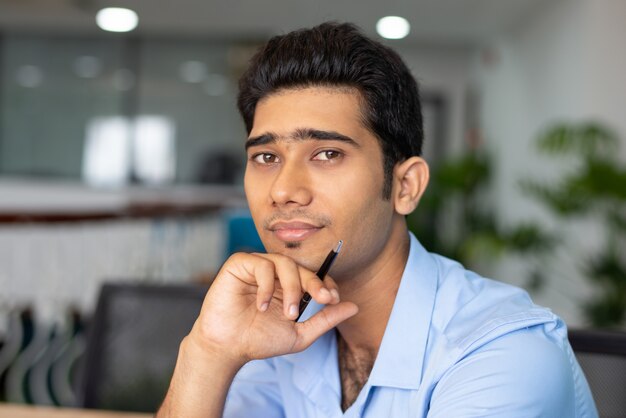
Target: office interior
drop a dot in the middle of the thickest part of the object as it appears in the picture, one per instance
(121, 163)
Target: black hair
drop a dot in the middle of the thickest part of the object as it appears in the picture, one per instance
(339, 54)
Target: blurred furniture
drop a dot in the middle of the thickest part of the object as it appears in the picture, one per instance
(241, 233)
(133, 343)
(23, 411)
(602, 356)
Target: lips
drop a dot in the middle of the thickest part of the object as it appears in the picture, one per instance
(293, 231)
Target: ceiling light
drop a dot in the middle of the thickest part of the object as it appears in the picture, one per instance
(117, 19)
(393, 27)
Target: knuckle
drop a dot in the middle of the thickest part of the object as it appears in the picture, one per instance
(326, 320)
(265, 264)
(290, 287)
(237, 257)
(287, 263)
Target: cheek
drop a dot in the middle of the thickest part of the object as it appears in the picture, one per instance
(254, 186)
(359, 182)
(365, 228)
(365, 215)
(255, 195)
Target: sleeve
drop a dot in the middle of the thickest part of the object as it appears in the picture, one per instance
(255, 392)
(521, 374)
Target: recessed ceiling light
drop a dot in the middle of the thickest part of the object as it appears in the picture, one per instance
(393, 27)
(117, 19)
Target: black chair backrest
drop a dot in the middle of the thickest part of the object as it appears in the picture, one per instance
(133, 343)
(602, 356)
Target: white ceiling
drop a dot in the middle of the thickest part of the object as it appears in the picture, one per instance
(455, 22)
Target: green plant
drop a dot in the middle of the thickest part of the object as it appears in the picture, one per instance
(595, 188)
(455, 220)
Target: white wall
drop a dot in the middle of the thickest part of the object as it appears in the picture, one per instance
(444, 70)
(565, 63)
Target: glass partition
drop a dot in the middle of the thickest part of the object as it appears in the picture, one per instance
(116, 111)
(50, 90)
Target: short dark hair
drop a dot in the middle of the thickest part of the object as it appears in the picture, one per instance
(339, 54)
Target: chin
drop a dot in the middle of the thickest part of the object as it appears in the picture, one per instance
(288, 248)
(297, 251)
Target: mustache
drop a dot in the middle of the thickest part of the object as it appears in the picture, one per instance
(299, 214)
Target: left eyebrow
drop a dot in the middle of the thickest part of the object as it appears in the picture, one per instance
(301, 134)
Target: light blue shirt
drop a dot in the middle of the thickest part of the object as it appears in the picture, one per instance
(456, 345)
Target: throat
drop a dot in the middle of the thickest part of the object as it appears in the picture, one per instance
(355, 367)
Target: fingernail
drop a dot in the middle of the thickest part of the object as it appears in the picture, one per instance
(293, 310)
(264, 307)
(324, 292)
(334, 293)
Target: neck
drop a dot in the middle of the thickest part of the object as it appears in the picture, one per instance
(374, 290)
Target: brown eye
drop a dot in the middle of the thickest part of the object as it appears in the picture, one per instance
(265, 158)
(327, 155)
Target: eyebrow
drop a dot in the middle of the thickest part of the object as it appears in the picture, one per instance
(301, 134)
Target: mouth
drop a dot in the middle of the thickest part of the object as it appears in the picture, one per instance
(293, 231)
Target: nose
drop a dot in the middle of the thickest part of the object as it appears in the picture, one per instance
(291, 186)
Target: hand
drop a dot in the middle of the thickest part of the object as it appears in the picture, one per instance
(250, 308)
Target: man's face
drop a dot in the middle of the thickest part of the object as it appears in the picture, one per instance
(314, 176)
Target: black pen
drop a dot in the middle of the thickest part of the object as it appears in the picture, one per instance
(321, 273)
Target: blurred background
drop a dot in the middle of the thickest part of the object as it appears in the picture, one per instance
(121, 163)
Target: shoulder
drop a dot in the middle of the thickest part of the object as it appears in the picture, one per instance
(521, 373)
(471, 310)
(493, 352)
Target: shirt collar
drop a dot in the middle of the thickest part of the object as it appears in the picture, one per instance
(400, 358)
(315, 373)
(399, 362)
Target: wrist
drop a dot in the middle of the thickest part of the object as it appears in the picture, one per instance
(200, 382)
(204, 355)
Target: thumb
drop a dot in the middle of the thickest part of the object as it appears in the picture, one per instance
(322, 322)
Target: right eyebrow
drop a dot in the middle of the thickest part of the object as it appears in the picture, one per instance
(264, 139)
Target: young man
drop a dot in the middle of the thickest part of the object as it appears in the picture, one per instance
(335, 133)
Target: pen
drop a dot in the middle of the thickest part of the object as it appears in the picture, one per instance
(321, 273)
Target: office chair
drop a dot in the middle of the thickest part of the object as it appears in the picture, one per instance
(602, 356)
(133, 342)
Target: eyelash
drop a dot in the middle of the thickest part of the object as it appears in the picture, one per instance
(255, 157)
(338, 154)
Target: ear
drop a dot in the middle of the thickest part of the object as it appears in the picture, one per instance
(410, 179)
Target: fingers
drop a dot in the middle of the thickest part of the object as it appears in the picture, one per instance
(322, 322)
(295, 280)
(332, 287)
(290, 281)
(264, 273)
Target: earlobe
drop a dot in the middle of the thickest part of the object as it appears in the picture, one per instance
(411, 179)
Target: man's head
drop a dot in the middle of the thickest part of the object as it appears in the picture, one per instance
(338, 55)
(334, 130)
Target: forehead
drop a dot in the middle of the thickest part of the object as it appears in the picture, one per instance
(324, 108)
